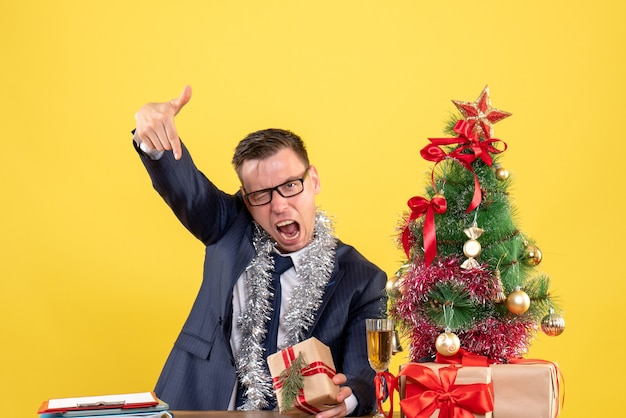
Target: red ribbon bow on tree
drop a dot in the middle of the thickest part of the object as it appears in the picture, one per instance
(467, 141)
(439, 391)
(420, 206)
(470, 141)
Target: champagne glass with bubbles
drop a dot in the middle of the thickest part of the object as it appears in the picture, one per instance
(379, 347)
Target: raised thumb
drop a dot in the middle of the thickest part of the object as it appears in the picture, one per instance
(181, 100)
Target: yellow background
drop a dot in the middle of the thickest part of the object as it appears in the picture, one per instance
(98, 276)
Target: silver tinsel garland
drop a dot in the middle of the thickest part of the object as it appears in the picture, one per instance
(313, 274)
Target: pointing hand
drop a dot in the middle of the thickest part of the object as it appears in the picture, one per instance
(155, 124)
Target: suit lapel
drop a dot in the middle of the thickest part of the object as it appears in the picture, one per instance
(333, 284)
(243, 252)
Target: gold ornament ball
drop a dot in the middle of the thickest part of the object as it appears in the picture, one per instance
(472, 248)
(393, 286)
(447, 344)
(502, 173)
(553, 324)
(518, 301)
(532, 255)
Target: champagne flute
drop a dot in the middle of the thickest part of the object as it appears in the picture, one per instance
(379, 347)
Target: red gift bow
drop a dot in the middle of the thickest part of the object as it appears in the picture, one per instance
(420, 206)
(316, 367)
(438, 391)
(381, 380)
(465, 358)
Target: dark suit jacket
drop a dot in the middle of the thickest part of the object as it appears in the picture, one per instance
(200, 371)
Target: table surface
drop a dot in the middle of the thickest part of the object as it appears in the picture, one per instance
(236, 414)
(229, 414)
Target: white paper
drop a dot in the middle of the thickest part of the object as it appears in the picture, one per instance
(102, 400)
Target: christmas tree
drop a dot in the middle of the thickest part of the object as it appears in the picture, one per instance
(470, 280)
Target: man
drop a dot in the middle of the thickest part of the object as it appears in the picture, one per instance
(218, 359)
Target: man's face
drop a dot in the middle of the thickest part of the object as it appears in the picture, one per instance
(290, 221)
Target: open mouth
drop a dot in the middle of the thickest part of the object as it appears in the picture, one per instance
(288, 230)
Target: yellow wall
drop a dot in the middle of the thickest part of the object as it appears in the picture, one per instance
(98, 276)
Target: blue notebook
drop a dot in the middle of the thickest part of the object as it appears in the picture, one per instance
(143, 405)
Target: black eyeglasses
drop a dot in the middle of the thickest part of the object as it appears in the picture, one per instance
(287, 189)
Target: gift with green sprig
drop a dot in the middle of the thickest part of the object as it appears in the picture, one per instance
(302, 378)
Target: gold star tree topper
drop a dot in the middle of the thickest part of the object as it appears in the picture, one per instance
(480, 115)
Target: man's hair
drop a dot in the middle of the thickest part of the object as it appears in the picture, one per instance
(265, 143)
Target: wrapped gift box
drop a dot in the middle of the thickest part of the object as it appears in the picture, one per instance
(421, 389)
(528, 389)
(318, 392)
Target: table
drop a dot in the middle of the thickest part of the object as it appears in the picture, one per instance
(235, 414)
(227, 414)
